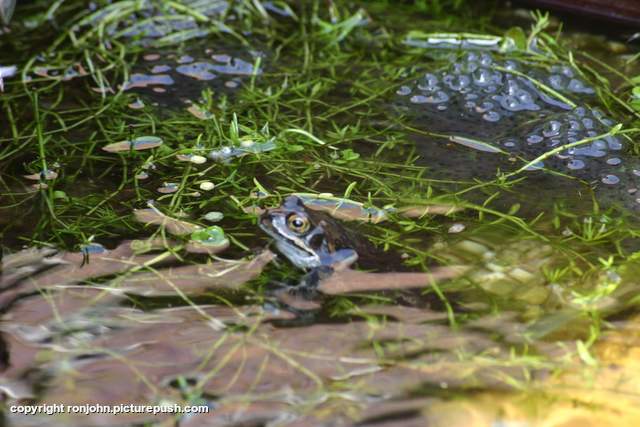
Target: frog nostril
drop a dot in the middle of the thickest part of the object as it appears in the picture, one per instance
(266, 220)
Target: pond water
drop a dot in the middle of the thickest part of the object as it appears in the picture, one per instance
(317, 214)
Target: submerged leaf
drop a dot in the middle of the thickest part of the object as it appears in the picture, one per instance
(174, 226)
(194, 279)
(346, 281)
(436, 209)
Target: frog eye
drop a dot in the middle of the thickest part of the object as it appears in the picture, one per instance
(298, 223)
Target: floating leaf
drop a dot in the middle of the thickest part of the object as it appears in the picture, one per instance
(253, 210)
(199, 112)
(70, 268)
(475, 144)
(214, 216)
(436, 209)
(458, 40)
(39, 186)
(518, 36)
(168, 188)
(347, 156)
(136, 105)
(350, 210)
(140, 143)
(193, 158)
(207, 186)
(60, 195)
(44, 176)
(343, 209)
(210, 240)
(225, 154)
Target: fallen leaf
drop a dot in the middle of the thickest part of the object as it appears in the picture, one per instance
(420, 211)
(190, 279)
(75, 267)
(174, 226)
(346, 281)
(137, 144)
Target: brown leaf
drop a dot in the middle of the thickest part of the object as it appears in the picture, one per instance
(26, 257)
(241, 413)
(76, 267)
(39, 310)
(195, 247)
(346, 281)
(420, 211)
(402, 313)
(290, 299)
(191, 279)
(174, 226)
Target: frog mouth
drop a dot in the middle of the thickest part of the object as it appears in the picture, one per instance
(292, 247)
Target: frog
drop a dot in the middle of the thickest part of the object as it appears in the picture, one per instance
(310, 239)
(323, 246)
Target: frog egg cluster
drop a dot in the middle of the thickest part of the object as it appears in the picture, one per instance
(501, 102)
(184, 76)
(570, 128)
(492, 90)
(563, 79)
(149, 23)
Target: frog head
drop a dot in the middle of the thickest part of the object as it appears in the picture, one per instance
(306, 238)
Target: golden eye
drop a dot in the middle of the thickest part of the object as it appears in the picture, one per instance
(297, 223)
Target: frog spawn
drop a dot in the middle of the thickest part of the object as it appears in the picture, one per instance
(481, 84)
(165, 78)
(585, 161)
(147, 21)
(498, 102)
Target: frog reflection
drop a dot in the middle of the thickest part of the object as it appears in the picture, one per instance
(307, 238)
